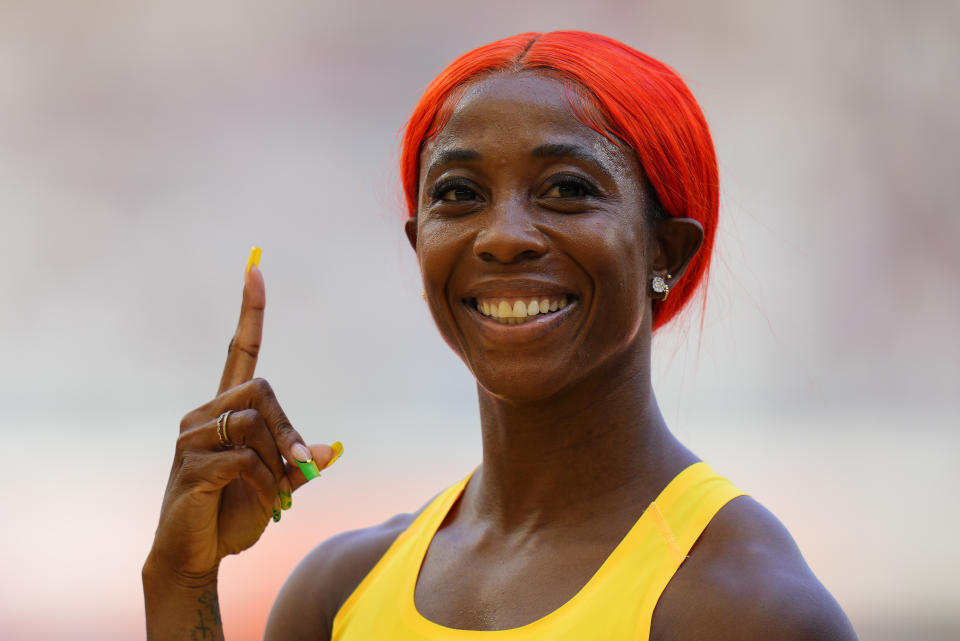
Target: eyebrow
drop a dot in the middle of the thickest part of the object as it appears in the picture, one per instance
(565, 150)
(453, 155)
(553, 150)
(548, 150)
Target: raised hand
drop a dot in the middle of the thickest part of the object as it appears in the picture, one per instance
(229, 476)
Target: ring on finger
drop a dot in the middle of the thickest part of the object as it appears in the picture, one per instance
(222, 429)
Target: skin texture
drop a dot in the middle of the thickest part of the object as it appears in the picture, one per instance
(520, 200)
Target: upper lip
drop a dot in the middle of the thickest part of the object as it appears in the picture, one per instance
(515, 288)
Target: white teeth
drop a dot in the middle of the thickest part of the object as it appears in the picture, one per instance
(519, 311)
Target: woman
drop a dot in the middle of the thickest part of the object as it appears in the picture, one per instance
(563, 195)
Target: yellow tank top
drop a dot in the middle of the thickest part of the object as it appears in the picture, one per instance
(616, 603)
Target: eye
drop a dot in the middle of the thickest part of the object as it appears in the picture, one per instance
(569, 187)
(458, 193)
(453, 191)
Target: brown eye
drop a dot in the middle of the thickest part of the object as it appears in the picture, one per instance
(569, 189)
(458, 193)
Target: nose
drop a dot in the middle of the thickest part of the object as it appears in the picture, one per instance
(508, 235)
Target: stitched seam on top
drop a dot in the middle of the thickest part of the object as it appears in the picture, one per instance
(666, 534)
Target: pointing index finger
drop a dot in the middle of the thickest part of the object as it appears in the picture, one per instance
(245, 344)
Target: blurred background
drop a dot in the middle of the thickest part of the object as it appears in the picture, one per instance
(144, 147)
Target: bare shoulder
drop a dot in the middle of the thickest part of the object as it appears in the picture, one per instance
(746, 579)
(325, 578)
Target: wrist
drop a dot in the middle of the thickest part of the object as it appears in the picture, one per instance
(179, 606)
(157, 574)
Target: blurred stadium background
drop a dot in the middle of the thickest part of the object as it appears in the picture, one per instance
(145, 146)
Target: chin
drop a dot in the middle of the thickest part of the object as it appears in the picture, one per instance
(518, 378)
(519, 384)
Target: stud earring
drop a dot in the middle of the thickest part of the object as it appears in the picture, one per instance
(423, 294)
(660, 288)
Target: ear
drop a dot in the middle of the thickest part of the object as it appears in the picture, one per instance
(411, 228)
(678, 240)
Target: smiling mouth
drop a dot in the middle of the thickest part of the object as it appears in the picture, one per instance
(518, 310)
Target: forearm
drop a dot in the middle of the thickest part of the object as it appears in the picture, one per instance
(176, 611)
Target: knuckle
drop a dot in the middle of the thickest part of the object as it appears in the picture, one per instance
(262, 386)
(250, 349)
(182, 444)
(242, 424)
(285, 430)
(189, 420)
(189, 468)
(248, 458)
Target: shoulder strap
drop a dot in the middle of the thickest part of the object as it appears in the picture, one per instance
(685, 507)
(400, 561)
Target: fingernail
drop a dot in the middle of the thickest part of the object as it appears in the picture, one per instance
(253, 258)
(337, 453)
(286, 501)
(309, 469)
(276, 515)
(301, 453)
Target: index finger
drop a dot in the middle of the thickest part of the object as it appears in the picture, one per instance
(245, 345)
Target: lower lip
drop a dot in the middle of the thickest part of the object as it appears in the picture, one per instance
(525, 332)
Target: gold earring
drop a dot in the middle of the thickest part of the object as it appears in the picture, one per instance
(423, 294)
(659, 286)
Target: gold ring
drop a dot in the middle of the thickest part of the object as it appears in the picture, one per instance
(222, 429)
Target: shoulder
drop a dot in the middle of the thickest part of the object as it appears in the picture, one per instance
(326, 577)
(746, 579)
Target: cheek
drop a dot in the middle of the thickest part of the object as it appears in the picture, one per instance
(616, 257)
(616, 261)
(439, 246)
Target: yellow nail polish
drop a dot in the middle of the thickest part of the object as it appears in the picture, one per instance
(337, 452)
(254, 257)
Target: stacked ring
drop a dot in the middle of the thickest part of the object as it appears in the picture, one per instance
(222, 429)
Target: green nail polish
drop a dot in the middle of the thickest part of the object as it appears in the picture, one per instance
(276, 515)
(286, 501)
(309, 469)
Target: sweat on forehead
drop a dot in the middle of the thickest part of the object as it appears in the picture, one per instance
(564, 96)
(509, 93)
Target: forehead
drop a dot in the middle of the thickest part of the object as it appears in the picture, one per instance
(520, 111)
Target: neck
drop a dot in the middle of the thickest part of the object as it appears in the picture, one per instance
(599, 446)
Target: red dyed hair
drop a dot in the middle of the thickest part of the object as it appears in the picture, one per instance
(621, 93)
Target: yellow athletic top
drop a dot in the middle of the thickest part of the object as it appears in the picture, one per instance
(616, 603)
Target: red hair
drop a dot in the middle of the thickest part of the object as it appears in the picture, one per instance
(621, 93)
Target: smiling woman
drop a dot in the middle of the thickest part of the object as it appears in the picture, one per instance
(538, 206)
(563, 199)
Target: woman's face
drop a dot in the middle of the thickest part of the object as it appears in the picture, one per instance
(533, 239)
